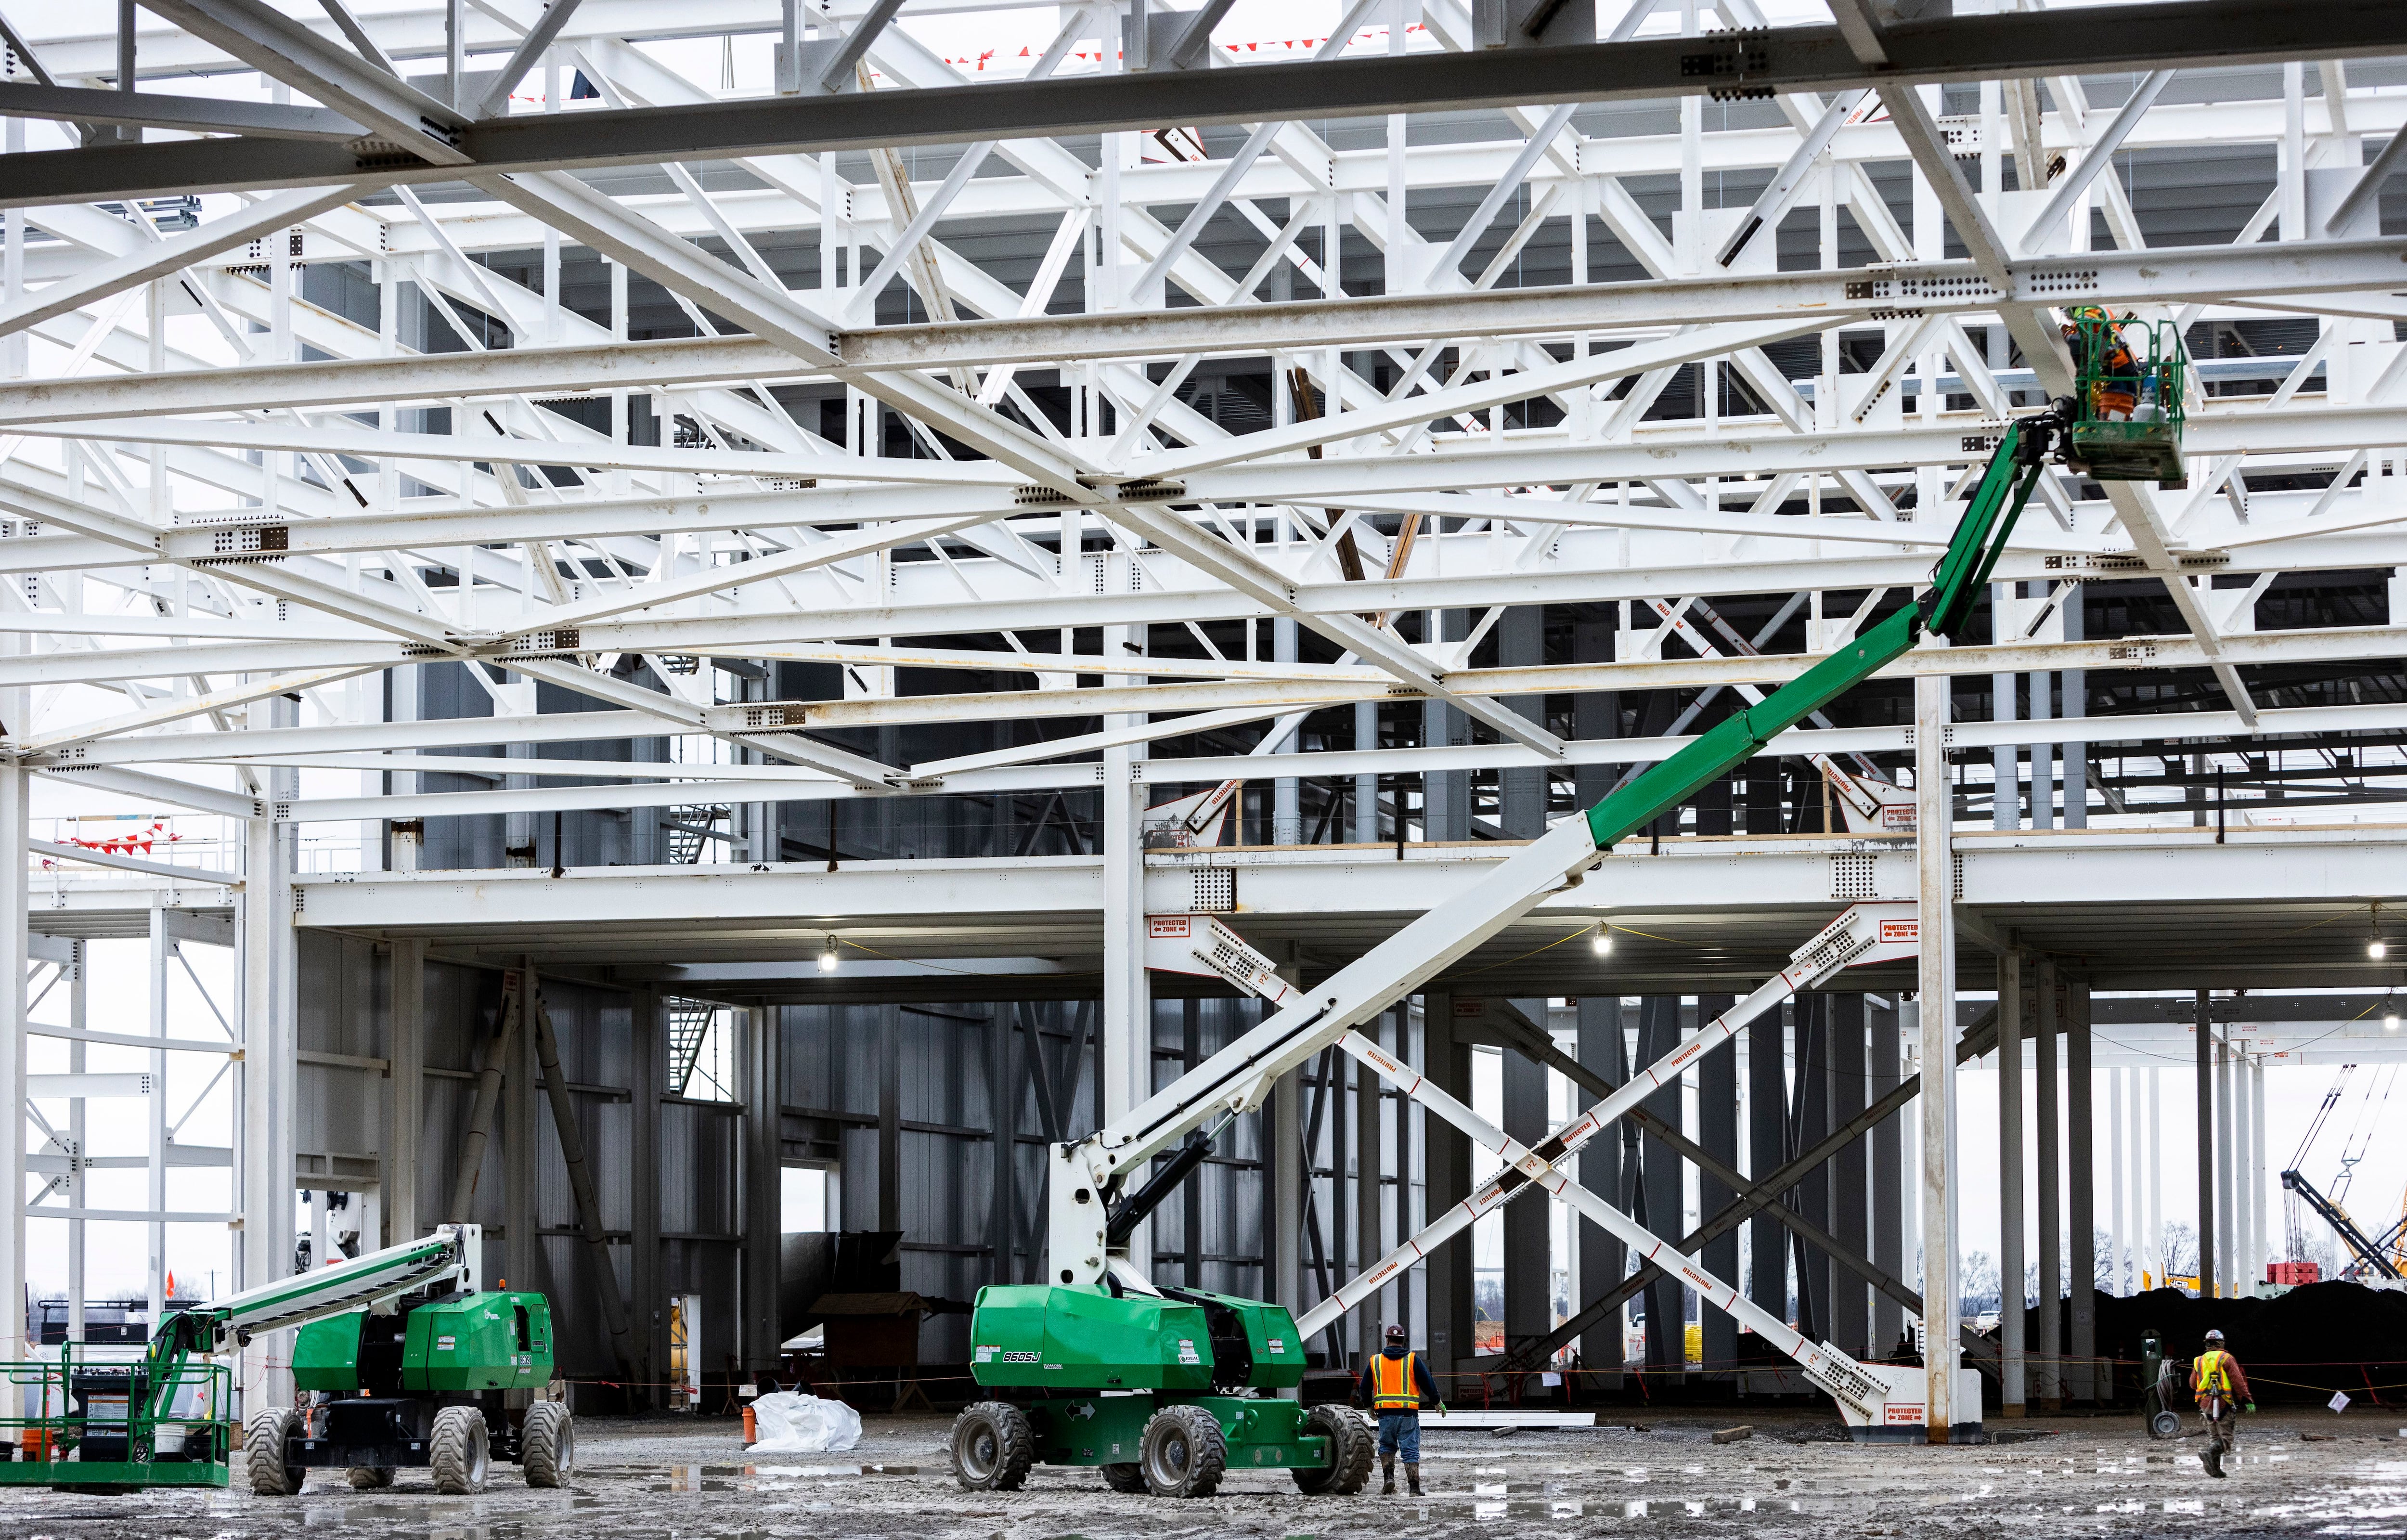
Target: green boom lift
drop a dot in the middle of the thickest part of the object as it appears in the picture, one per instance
(407, 1362)
(1165, 1388)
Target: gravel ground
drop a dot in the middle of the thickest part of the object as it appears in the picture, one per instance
(2299, 1474)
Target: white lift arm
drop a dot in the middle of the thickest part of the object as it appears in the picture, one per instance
(375, 1281)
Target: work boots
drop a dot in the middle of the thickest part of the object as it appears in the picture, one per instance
(1388, 1476)
(1413, 1477)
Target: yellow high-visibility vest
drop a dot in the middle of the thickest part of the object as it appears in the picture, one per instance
(1391, 1384)
(2215, 1371)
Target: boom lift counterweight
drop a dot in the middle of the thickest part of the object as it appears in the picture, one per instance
(1161, 1385)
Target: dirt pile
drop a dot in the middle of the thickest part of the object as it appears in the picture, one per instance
(2297, 1348)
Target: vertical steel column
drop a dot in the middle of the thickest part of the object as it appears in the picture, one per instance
(2012, 1319)
(264, 1176)
(2153, 1151)
(1366, 786)
(1126, 1043)
(1850, 1298)
(1767, 1151)
(1447, 1165)
(2202, 1040)
(2227, 1273)
(1602, 1258)
(1935, 870)
(1287, 791)
(1369, 1199)
(1888, 1178)
(406, 1084)
(889, 1118)
(1659, 1034)
(2048, 1368)
(2118, 1232)
(2005, 759)
(155, 1114)
(1717, 1131)
(1190, 1199)
(16, 793)
(79, 1140)
(1809, 1117)
(1283, 1167)
(2073, 684)
(521, 1142)
(1527, 1224)
(764, 1079)
(647, 1083)
(2043, 756)
(2241, 1271)
(2081, 1209)
(2256, 1173)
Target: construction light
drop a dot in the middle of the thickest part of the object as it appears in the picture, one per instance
(2390, 1022)
(1601, 942)
(827, 956)
(2377, 949)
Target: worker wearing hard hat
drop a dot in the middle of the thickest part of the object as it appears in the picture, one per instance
(2115, 385)
(1394, 1385)
(2222, 1390)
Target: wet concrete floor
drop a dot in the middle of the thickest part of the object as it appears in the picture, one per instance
(678, 1480)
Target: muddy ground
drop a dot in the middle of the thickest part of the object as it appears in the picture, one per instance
(664, 1479)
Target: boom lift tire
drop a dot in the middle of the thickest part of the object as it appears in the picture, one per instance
(1125, 1478)
(262, 1449)
(1183, 1452)
(458, 1452)
(993, 1446)
(1351, 1446)
(548, 1445)
(370, 1477)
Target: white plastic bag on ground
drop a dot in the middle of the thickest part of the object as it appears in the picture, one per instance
(789, 1422)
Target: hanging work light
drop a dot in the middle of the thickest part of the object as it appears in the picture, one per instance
(1601, 942)
(827, 956)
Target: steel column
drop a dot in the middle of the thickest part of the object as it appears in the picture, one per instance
(1935, 870)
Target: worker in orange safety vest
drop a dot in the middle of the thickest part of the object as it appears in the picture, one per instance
(1395, 1385)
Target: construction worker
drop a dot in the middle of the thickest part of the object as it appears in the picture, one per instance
(2222, 1390)
(2114, 388)
(1395, 1385)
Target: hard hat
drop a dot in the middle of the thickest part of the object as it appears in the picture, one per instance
(2089, 312)
(2215, 1336)
(1397, 1333)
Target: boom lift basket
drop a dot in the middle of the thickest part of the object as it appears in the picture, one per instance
(2134, 378)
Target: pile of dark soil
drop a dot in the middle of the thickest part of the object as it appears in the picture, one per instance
(2297, 1348)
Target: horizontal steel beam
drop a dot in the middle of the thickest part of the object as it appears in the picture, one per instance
(1812, 57)
(2207, 274)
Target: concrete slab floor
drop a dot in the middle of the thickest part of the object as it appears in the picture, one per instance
(677, 1479)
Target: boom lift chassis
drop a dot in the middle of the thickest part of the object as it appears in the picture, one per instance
(1097, 1347)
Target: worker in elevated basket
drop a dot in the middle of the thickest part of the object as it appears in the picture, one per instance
(2115, 389)
(1394, 1385)
(2222, 1391)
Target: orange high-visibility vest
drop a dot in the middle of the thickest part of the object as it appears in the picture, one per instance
(1391, 1384)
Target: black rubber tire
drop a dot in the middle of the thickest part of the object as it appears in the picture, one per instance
(458, 1452)
(1182, 1452)
(548, 1445)
(1350, 1446)
(370, 1477)
(2165, 1425)
(991, 1447)
(1125, 1478)
(265, 1445)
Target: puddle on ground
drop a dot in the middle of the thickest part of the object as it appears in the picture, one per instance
(728, 1479)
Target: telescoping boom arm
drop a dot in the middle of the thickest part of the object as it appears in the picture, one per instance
(453, 1251)
(1092, 1176)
